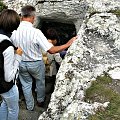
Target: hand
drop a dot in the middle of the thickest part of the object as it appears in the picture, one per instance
(19, 51)
(72, 40)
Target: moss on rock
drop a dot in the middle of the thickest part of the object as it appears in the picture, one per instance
(100, 91)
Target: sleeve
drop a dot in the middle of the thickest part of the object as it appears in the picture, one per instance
(57, 57)
(11, 63)
(42, 41)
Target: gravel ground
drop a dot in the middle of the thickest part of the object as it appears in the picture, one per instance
(33, 115)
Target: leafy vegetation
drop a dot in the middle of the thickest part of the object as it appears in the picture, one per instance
(101, 92)
(2, 5)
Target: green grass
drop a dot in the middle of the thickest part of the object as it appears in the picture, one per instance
(101, 92)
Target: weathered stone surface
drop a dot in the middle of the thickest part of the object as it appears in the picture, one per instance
(96, 50)
(57, 10)
(74, 11)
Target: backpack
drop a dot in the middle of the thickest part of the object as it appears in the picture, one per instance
(46, 62)
(4, 86)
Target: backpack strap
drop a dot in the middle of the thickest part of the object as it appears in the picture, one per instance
(4, 86)
(5, 44)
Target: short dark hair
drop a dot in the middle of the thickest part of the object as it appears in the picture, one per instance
(52, 34)
(28, 11)
(9, 20)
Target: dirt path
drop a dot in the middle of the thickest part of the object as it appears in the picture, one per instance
(33, 115)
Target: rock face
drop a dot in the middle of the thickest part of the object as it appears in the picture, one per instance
(96, 50)
(65, 11)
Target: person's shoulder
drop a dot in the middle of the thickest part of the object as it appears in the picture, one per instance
(14, 32)
(37, 31)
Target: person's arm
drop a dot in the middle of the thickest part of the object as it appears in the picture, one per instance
(55, 49)
(11, 62)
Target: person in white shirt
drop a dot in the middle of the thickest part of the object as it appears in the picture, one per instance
(31, 40)
(9, 108)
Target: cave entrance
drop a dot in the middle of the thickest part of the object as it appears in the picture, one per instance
(65, 30)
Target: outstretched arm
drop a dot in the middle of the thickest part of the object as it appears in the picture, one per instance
(55, 49)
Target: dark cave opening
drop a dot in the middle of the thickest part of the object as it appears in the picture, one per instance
(65, 30)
